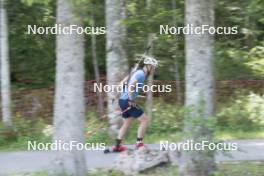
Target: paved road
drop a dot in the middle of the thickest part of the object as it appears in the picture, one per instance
(32, 161)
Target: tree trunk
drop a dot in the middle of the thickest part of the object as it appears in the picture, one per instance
(149, 100)
(69, 111)
(100, 103)
(117, 63)
(5, 71)
(199, 95)
(178, 82)
(176, 65)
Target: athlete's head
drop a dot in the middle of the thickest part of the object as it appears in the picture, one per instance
(150, 64)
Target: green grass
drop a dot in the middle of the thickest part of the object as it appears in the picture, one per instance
(241, 169)
(21, 143)
(166, 124)
(230, 135)
(101, 135)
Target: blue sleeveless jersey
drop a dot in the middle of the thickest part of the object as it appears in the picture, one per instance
(139, 76)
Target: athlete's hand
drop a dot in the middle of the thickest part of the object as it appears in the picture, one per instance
(132, 103)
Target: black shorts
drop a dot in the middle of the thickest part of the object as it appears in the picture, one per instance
(132, 112)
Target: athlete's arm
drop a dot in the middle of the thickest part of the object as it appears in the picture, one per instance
(123, 81)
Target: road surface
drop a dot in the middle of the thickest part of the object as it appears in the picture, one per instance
(33, 161)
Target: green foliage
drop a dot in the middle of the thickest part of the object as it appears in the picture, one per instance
(166, 124)
(142, 21)
(167, 118)
(234, 63)
(198, 126)
(222, 134)
(243, 113)
(232, 50)
(96, 129)
(6, 133)
(243, 168)
(31, 2)
(230, 63)
(256, 60)
(22, 131)
(33, 56)
(28, 127)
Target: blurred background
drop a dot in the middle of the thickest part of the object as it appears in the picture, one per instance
(238, 70)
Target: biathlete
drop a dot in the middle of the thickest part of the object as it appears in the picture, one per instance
(130, 110)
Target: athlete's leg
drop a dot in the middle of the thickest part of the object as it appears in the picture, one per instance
(144, 121)
(125, 126)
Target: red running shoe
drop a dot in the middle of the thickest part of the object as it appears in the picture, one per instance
(119, 148)
(139, 145)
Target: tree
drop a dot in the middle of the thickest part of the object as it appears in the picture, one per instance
(69, 111)
(149, 96)
(100, 104)
(116, 56)
(176, 64)
(199, 94)
(5, 72)
(149, 99)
